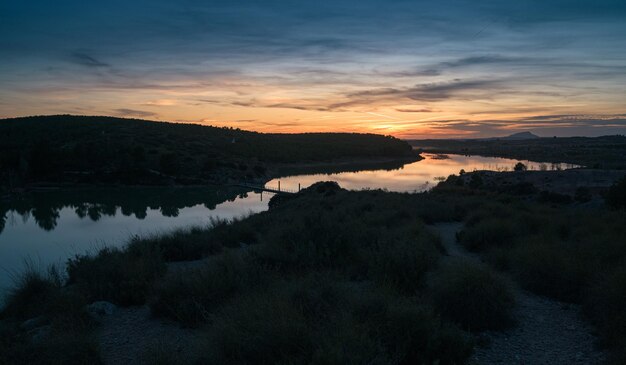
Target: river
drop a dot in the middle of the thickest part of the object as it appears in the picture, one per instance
(48, 228)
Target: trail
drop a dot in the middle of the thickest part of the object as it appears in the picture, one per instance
(547, 331)
(128, 335)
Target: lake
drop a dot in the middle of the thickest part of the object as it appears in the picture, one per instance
(49, 227)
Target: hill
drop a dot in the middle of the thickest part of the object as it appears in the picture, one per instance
(106, 149)
(520, 136)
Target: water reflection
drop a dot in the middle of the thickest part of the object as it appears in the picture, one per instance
(92, 204)
(418, 176)
(50, 227)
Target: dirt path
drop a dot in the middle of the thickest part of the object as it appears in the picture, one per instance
(548, 331)
(129, 334)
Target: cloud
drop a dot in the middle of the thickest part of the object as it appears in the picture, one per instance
(84, 59)
(133, 113)
(423, 110)
(426, 92)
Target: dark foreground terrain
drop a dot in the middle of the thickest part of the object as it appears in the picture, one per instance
(461, 274)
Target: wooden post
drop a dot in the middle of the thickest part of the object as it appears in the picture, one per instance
(278, 185)
(298, 187)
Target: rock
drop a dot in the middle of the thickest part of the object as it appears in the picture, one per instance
(33, 323)
(99, 310)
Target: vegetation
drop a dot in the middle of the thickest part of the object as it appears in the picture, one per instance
(573, 255)
(473, 296)
(616, 196)
(63, 334)
(122, 277)
(599, 153)
(342, 280)
(336, 276)
(67, 148)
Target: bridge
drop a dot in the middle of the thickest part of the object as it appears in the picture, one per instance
(277, 190)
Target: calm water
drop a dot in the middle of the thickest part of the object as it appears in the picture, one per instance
(418, 176)
(48, 228)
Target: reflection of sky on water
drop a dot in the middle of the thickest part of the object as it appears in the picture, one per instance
(420, 175)
(22, 239)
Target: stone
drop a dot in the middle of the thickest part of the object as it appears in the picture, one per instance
(99, 310)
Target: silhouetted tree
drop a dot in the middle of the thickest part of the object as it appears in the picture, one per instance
(520, 167)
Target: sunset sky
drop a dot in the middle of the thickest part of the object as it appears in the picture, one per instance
(418, 69)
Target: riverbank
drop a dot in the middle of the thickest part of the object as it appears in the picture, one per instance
(269, 173)
(605, 152)
(332, 269)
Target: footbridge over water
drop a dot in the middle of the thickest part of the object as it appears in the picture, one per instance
(277, 190)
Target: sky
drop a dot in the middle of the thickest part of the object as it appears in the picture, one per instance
(412, 69)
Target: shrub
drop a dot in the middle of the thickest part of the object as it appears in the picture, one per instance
(414, 335)
(403, 264)
(553, 197)
(39, 294)
(488, 233)
(472, 296)
(546, 268)
(123, 277)
(33, 291)
(181, 245)
(520, 167)
(260, 328)
(616, 196)
(604, 304)
(191, 295)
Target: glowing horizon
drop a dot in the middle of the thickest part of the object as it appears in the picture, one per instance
(405, 68)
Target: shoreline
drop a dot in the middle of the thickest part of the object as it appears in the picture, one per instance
(275, 171)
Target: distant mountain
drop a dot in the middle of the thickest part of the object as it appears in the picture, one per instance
(520, 136)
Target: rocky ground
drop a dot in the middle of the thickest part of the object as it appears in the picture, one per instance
(131, 336)
(547, 331)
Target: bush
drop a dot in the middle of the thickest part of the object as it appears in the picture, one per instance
(552, 197)
(39, 294)
(32, 293)
(262, 328)
(616, 196)
(548, 269)
(472, 296)
(190, 296)
(181, 245)
(604, 304)
(488, 233)
(122, 277)
(403, 264)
